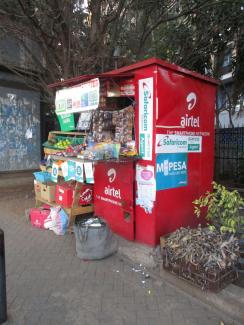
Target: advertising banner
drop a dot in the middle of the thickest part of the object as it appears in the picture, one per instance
(71, 169)
(89, 172)
(66, 122)
(145, 118)
(171, 171)
(170, 143)
(54, 174)
(79, 98)
(64, 168)
(79, 175)
(146, 187)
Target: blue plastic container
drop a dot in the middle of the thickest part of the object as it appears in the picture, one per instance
(43, 177)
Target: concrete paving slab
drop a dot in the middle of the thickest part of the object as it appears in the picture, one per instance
(48, 284)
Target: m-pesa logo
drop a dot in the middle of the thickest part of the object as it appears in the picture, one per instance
(171, 170)
(171, 167)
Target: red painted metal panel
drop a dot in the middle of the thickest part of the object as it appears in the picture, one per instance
(145, 223)
(165, 64)
(183, 104)
(186, 107)
(134, 67)
(114, 196)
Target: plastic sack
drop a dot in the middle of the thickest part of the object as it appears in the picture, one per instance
(57, 221)
(94, 239)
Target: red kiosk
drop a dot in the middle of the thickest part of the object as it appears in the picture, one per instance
(174, 133)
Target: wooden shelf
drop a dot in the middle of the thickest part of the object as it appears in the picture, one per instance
(72, 212)
(119, 160)
(67, 133)
(75, 209)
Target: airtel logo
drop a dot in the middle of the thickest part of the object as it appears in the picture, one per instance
(86, 195)
(111, 175)
(191, 100)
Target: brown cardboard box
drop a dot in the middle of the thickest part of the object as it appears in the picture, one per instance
(37, 188)
(48, 191)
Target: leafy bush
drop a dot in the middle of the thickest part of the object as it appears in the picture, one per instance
(222, 208)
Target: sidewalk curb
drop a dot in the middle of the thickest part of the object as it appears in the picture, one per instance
(229, 301)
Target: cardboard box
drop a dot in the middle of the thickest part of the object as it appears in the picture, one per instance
(86, 195)
(48, 191)
(64, 195)
(37, 188)
(39, 215)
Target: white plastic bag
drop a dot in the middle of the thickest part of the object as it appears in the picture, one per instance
(57, 221)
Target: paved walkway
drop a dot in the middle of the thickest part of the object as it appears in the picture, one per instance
(48, 284)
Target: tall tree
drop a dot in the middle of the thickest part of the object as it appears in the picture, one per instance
(76, 36)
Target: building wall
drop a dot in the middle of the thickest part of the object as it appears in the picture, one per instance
(24, 54)
(237, 119)
(19, 129)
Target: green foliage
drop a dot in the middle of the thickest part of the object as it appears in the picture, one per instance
(81, 37)
(222, 208)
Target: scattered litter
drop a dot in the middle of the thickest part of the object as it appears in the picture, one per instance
(149, 291)
(117, 271)
(142, 273)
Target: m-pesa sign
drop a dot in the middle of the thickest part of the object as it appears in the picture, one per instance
(145, 118)
(171, 171)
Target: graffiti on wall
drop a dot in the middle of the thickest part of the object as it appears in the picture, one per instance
(19, 129)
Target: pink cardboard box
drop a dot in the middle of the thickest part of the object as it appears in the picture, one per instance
(39, 215)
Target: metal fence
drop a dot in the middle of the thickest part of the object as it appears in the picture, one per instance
(229, 156)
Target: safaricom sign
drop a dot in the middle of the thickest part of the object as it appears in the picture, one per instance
(171, 143)
(145, 117)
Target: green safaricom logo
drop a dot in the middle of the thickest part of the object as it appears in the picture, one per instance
(168, 141)
(147, 96)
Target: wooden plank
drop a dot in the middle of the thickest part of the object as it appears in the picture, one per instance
(83, 209)
(67, 133)
(56, 157)
(70, 211)
(78, 187)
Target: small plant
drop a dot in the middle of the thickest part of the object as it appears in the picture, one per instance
(222, 208)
